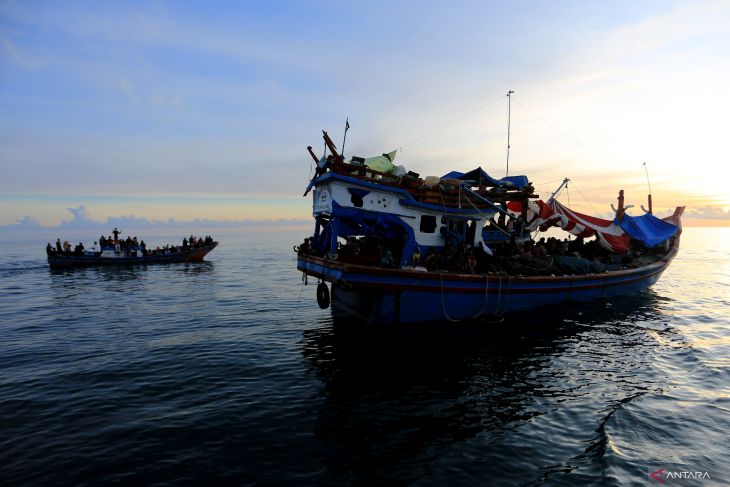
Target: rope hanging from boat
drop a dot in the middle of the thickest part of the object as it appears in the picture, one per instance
(484, 307)
(499, 295)
(299, 301)
(483, 215)
(509, 291)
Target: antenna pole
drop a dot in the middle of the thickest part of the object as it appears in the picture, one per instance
(509, 119)
(646, 169)
(344, 137)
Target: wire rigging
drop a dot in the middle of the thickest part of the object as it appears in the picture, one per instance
(595, 212)
(548, 182)
(646, 169)
(429, 134)
(572, 139)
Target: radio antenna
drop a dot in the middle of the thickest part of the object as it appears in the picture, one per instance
(509, 119)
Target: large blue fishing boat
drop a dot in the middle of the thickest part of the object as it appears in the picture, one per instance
(395, 247)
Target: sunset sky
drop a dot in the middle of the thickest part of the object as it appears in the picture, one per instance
(204, 111)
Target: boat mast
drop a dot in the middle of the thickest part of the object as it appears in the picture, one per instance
(509, 117)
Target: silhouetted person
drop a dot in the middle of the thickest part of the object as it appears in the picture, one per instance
(59, 249)
(116, 233)
(49, 249)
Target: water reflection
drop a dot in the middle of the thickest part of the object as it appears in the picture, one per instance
(400, 399)
(132, 283)
(127, 272)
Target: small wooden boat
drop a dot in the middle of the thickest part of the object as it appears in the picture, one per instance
(114, 256)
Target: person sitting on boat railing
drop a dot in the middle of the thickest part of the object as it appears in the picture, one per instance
(481, 257)
(447, 257)
(416, 257)
(386, 259)
(458, 262)
(471, 260)
(539, 250)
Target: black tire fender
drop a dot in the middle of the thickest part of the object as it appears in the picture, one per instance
(323, 295)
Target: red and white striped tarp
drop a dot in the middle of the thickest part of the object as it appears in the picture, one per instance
(541, 214)
(610, 235)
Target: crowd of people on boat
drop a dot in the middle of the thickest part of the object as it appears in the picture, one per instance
(546, 256)
(128, 246)
(64, 249)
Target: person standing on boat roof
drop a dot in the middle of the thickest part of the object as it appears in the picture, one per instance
(116, 233)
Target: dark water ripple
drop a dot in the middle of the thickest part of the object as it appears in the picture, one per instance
(228, 372)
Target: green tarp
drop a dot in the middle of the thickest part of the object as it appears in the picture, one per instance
(382, 163)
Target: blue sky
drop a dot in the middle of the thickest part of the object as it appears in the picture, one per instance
(185, 110)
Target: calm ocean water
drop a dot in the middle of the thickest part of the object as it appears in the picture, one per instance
(228, 372)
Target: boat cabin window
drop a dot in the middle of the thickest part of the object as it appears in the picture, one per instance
(428, 224)
(356, 200)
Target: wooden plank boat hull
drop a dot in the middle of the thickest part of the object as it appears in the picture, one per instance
(190, 255)
(377, 295)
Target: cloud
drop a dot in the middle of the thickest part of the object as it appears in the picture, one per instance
(27, 222)
(80, 216)
(709, 213)
(81, 220)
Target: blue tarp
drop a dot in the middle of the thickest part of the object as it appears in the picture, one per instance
(479, 175)
(648, 229)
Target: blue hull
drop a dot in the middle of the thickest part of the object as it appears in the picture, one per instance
(376, 295)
